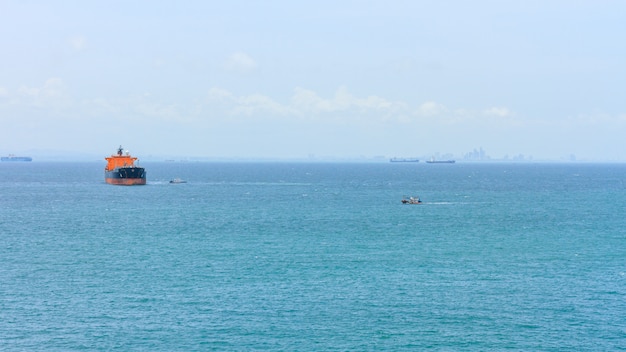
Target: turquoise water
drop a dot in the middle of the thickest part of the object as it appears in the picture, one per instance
(313, 257)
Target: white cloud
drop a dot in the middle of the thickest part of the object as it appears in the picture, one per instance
(161, 111)
(52, 93)
(497, 111)
(240, 61)
(101, 105)
(431, 108)
(78, 42)
(158, 63)
(461, 116)
(28, 91)
(305, 100)
(596, 118)
(345, 100)
(52, 88)
(309, 101)
(256, 103)
(218, 94)
(247, 104)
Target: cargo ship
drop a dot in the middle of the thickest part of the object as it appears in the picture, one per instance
(404, 160)
(12, 157)
(433, 161)
(121, 170)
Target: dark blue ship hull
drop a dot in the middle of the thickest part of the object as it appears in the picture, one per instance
(126, 176)
(16, 158)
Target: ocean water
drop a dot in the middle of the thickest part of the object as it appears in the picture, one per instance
(290, 256)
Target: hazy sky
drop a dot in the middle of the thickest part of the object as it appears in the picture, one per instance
(327, 78)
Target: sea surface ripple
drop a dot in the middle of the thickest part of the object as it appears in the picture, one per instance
(314, 256)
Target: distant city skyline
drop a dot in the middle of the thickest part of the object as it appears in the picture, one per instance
(288, 80)
(476, 155)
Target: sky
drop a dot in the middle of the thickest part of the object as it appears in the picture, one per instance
(314, 79)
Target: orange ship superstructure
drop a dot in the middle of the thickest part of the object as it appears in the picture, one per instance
(121, 170)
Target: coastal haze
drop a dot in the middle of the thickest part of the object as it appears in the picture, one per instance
(532, 80)
(380, 176)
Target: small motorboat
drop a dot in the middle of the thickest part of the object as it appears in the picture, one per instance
(178, 180)
(411, 200)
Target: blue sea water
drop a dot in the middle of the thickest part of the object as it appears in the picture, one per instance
(314, 256)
